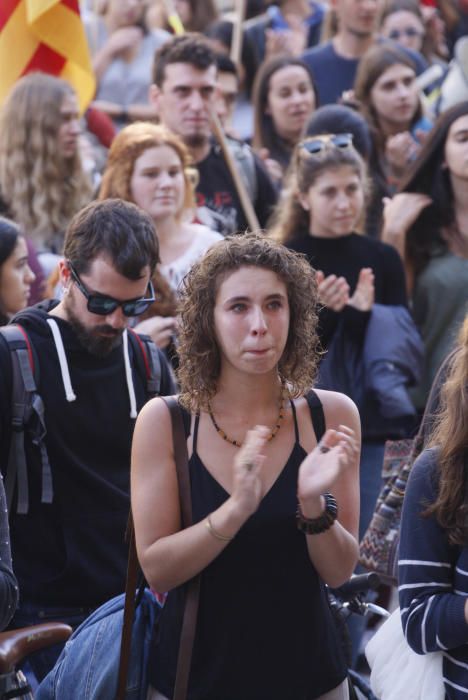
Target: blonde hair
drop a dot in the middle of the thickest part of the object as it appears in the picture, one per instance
(128, 146)
(289, 216)
(41, 188)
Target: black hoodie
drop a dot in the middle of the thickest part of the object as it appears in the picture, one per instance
(72, 552)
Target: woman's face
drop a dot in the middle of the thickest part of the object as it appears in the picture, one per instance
(251, 319)
(158, 185)
(335, 202)
(405, 28)
(184, 11)
(395, 97)
(16, 278)
(125, 13)
(290, 101)
(69, 129)
(456, 148)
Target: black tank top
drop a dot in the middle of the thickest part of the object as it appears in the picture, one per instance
(264, 629)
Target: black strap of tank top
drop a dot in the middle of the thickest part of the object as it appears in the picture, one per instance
(316, 413)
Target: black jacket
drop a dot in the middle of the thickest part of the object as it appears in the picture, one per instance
(72, 552)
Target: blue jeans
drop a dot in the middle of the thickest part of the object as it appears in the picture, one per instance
(27, 614)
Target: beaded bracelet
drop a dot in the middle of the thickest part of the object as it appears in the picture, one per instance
(215, 533)
(315, 526)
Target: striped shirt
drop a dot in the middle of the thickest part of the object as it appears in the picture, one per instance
(433, 581)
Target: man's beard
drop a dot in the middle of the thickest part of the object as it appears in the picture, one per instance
(90, 339)
(196, 140)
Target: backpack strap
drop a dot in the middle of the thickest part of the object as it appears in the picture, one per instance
(27, 413)
(189, 620)
(316, 413)
(145, 349)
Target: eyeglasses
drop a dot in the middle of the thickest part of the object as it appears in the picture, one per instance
(103, 305)
(410, 32)
(316, 144)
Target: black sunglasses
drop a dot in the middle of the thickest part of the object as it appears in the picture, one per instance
(104, 305)
(316, 144)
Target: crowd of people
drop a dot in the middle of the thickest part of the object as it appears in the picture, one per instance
(256, 233)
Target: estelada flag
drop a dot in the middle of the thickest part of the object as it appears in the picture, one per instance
(48, 36)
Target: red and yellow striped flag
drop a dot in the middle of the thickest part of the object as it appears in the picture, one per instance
(46, 35)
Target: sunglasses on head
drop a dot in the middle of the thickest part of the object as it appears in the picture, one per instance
(316, 144)
(103, 305)
(410, 32)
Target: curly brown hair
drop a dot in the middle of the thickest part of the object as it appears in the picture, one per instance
(199, 354)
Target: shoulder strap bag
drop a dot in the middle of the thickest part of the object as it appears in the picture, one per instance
(192, 587)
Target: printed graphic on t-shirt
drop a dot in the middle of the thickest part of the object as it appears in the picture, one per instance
(218, 212)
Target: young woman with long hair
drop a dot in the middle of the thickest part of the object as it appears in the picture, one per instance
(150, 166)
(319, 215)
(42, 181)
(433, 555)
(259, 470)
(389, 99)
(427, 222)
(284, 98)
(16, 277)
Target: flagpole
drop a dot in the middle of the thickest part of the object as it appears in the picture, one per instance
(237, 30)
(241, 189)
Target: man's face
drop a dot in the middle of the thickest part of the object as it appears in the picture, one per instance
(100, 334)
(358, 17)
(184, 101)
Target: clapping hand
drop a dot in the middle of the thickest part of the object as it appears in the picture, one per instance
(320, 470)
(364, 294)
(333, 291)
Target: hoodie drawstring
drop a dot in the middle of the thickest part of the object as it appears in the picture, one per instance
(129, 377)
(69, 393)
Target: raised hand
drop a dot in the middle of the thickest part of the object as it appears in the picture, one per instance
(364, 294)
(399, 150)
(399, 214)
(320, 470)
(333, 291)
(124, 39)
(247, 485)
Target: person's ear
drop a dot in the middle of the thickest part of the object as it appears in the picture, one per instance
(64, 274)
(153, 97)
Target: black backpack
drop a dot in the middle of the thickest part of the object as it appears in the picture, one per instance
(27, 407)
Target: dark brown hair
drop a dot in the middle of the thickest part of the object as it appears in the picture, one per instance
(200, 358)
(189, 48)
(117, 230)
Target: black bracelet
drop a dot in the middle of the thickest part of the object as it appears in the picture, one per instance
(314, 526)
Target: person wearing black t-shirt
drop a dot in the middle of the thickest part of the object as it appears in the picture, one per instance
(183, 92)
(319, 218)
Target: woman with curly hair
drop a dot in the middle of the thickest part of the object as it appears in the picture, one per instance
(433, 555)
(265, 452)
(42, 181)
(151, 167)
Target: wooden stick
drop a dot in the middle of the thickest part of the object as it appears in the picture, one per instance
(237, 31)
(241, 189)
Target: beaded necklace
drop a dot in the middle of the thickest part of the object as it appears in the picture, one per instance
(272, 434)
